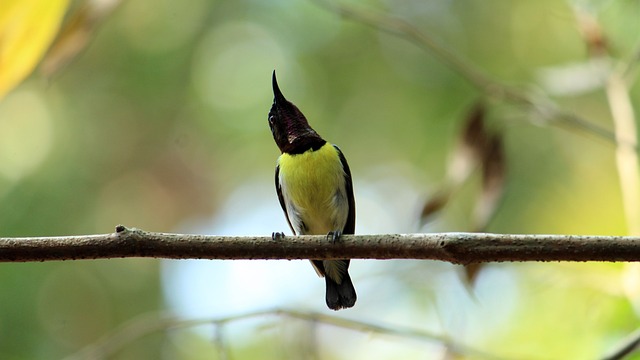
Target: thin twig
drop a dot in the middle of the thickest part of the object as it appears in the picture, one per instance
(540, 105)
(627, 346)
(626, 157)
(148, 324)
(458, 248)
(220, 341)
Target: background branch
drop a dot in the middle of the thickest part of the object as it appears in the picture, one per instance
(537, 103)
(626, 347)
(624, 122)
(148, 324)
(459, 248)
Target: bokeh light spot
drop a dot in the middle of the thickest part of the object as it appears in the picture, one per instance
(26, 134)
(228, 63)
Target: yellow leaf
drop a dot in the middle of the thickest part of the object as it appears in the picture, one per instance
(27, 28)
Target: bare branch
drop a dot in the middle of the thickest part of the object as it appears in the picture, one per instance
(626, 157)
(626, 347)
(458, 248)
(148, 324)
(538, 104)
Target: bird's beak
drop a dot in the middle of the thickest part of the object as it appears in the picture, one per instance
(277, 94)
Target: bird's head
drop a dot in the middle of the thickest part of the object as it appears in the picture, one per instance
(289, 127)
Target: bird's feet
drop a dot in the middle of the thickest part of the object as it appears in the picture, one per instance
(334, 236)
(277, 236)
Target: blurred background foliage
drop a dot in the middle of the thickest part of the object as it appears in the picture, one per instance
(153, 114)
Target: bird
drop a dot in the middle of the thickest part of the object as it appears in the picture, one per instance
(315, 190)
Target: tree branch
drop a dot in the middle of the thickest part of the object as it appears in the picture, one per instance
(539, 104)
(626, 347)
(151, 323)
(457, 248)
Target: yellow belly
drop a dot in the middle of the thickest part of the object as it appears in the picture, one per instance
(314, 188)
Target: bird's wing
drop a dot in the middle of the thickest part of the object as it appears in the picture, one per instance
(350, 225)
(281, 198)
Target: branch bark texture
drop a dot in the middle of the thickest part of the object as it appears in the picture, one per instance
(457, 248)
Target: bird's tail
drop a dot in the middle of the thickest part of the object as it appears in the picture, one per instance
(340, 296)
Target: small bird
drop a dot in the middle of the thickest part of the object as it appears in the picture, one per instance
(314, 186)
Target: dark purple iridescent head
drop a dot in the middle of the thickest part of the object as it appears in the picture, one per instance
(289, 127)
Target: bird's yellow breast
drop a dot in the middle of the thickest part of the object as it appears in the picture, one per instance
(314, 188)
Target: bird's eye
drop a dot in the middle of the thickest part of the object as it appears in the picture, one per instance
(271, 122)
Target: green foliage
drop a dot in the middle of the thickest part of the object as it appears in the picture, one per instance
(163, 115)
